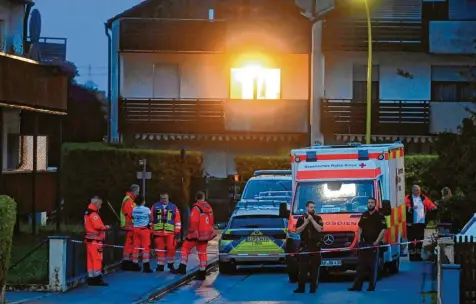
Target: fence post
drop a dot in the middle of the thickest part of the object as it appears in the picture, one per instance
(57, 272)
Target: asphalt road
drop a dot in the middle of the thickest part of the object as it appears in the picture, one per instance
(265, 285)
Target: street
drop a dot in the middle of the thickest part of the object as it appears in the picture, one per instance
(270, 285)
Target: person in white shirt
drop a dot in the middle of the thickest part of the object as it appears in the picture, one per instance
(141, 222)
(418, 205)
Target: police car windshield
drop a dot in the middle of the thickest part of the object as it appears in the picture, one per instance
(254, 187)
(334, 197)
(256, 222)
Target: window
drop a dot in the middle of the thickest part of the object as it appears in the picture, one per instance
(254, 187)
(255, 82)
(359, 86)
(380, 199)
(20, 153)
(2, 35)
(452, 83)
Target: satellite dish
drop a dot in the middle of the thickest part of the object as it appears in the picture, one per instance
(35, 31)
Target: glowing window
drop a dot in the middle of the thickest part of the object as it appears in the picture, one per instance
(255, 82)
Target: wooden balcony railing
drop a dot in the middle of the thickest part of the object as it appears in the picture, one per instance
(29, 84)
(387, 35)
(392, 117)
(172, 115)
(52, 49)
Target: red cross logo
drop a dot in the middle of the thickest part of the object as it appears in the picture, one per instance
(362, 165)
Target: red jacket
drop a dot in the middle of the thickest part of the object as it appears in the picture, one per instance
(427, 203)
(128, 205)
(94, 228)
(201, 222)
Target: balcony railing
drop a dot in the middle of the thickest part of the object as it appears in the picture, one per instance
(388, 35)
(51, 49)
(29, 84)
(172, 116)
(392, 117)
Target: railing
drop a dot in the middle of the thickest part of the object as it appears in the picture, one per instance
(198, 35)
(465, 251)
(52, 49)
(387, 35)
(18, 185)
(26, 83)
(393, 117)
(172, 115)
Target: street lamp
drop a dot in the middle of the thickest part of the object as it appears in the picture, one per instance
(369, 74)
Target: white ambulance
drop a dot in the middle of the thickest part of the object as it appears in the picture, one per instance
(340, 179)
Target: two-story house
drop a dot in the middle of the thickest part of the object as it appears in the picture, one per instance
(224, 77)
(422, 53)
(32, 103)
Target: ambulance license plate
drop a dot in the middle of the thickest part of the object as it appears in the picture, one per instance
(331, 263)
(257, 239)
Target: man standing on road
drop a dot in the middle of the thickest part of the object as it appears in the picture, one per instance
(128, 204)
(95, 234)
(372, 226)
(141, 219)
(309, 226)
(200, 232)
(166, 226)
(418, 206)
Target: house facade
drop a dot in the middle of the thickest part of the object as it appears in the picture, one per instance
(422, 70)
(32, 101)
(224, 77)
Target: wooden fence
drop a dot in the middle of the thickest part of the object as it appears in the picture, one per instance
(465, 255)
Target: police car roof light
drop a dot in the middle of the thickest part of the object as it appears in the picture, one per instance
(363, 155)
(272, 172)
(311, 156)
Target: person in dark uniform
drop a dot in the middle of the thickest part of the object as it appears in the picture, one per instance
(372, 226)
(309, 226)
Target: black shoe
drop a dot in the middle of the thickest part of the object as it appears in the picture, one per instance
(300, 289)
(172, 268)
(371, 288)
(135, 267)
(126, 265)
(201, 276)
(160, 268)
(182, 269)
(97, 281)
(101, 281)
(354, 289)
(146, 268)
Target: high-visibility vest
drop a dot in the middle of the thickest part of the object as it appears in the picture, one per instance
(164, 218)
(124, 222)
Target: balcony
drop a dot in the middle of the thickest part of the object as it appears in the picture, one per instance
(391, 35)
(173, 35)
(51, 49)
(26, 83)
(452, 37)
(389, 117)
(205, 116)
(172, 116)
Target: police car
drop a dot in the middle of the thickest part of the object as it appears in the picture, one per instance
(253, 236)
(266, 186)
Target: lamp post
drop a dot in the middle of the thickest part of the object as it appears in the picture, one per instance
(369, 75)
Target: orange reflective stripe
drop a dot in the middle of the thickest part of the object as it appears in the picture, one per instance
(357, 173)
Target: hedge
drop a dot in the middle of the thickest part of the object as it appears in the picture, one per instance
(418, 168)
(8, 209)
(108, 171)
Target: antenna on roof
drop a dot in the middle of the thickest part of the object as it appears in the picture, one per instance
(34, 28)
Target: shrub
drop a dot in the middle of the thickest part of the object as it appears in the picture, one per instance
(8, 209)
(247, 165)
(457, 210)
(108, 171)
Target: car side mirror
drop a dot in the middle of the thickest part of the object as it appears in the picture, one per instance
(222, 225)
(386, 208)
(283, 210)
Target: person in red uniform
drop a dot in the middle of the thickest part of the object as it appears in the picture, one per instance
(418, 206)
(166, 226)
(95, 234)
(200, 231)
(128, 204)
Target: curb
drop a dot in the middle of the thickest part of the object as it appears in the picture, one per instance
(174, 285)
(29, 300)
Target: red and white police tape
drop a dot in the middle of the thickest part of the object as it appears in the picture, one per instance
(326, 250)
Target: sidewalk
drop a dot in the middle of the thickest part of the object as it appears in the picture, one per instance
(124, 287)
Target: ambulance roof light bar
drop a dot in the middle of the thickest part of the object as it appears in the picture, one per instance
(363, 154)
(311, 156)
(272, 172)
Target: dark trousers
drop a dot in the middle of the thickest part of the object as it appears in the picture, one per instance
(415, 232)
(368, 259)
(309, 264)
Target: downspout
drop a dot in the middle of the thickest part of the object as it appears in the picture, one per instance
(28, 7)
(109, 49)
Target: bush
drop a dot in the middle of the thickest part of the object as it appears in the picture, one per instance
(457, 210)
(419, 169)
(108, 171)
(8, 215)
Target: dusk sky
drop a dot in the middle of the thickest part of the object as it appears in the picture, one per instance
(82, 23)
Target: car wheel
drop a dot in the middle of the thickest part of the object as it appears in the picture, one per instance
(226, 268)
(395, 266)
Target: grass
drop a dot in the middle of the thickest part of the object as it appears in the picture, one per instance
(34, 268)
(430, 297)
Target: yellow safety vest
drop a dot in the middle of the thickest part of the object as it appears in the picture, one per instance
(123, 217)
